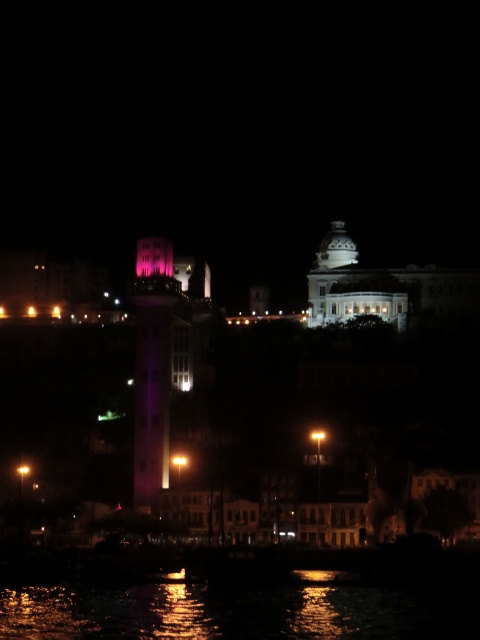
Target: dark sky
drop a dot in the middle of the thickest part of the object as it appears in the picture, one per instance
(243, 154)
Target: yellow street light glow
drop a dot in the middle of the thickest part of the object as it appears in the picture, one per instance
(318, 435)
(181, 461)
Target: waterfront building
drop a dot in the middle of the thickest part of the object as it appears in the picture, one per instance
(467, 484)
(337, 524)
(241, 522)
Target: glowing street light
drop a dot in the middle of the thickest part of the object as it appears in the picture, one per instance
(319, 435)
(22, 471)
(181, 462)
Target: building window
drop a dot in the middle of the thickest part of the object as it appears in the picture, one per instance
(180, 357)
(322, 290)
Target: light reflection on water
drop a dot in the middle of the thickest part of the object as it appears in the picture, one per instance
(293, 612)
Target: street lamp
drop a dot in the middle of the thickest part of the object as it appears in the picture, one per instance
(21, 522)
(22, 471)
(181, 461)
(319, 435)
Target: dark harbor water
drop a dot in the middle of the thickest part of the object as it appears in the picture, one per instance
(306, 610)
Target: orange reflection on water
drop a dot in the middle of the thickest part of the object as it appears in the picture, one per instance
(178, 609)
(34, 611)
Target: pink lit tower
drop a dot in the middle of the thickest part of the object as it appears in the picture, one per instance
(154, 292)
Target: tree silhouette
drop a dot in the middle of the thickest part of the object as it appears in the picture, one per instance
(447, 511)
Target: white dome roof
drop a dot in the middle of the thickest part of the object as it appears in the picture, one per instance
(337, 249)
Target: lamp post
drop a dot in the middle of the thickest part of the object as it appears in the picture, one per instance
(21, 521)
(22, 471)
(319, 435)
(180, 461)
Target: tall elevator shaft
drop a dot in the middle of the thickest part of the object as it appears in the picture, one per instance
(153, 292)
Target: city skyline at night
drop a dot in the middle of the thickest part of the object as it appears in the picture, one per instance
(245, 255)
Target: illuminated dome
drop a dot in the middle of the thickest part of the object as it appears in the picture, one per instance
(337, 249)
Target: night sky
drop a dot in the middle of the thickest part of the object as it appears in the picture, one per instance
(243, 155)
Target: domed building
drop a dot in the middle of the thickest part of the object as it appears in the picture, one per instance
(337, 249)
(339, 289)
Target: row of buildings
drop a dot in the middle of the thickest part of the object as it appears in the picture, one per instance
(279, 518)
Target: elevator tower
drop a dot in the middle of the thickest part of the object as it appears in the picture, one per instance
(154, 292)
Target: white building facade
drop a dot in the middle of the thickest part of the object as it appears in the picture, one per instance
(338, 290)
